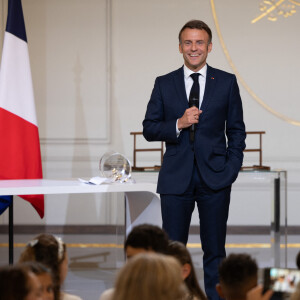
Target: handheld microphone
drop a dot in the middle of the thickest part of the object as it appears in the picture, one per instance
(193, 102)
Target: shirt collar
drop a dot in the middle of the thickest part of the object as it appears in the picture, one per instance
(188, 72)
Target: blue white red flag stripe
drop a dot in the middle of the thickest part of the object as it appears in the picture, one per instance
(20, 156)
(5, 201)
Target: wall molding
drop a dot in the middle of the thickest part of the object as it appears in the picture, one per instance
(66, 141)
(74, 141)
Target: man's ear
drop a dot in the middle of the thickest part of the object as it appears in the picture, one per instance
(219, 290)
(180, 48)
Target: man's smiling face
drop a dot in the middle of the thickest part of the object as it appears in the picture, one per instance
(194, 46)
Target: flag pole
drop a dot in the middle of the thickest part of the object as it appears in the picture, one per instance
(11, 232)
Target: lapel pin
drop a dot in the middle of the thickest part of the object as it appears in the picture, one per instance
(212, 77)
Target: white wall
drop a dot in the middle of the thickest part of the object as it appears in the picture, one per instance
(94, 63)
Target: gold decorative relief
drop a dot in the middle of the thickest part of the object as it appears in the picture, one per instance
(274, 9)
(238, 75)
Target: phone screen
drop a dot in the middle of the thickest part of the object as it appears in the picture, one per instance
(282, 280)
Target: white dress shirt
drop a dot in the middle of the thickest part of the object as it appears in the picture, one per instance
(188, 82)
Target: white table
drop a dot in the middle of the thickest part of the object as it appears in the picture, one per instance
(68, 186)
(140, 198)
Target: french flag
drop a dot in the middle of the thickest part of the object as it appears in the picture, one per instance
(20, 155)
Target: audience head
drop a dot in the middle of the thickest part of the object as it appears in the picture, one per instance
(51, 252)
(19, 283)
(45, 277)
(298, 260)
(150, 276)
(146, 238)
(181, 253)
(238, 275)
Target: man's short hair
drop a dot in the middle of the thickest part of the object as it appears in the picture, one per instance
(238, 274)
(196, 24)
(148, 237)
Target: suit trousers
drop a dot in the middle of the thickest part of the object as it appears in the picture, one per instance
(213, 209)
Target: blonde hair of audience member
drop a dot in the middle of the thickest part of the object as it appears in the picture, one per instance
(150, 276)
(51, 252)
(179, 251)
(19, 283)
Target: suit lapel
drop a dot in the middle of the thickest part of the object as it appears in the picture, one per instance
(209, 89)
(211, 80)
(180, 86)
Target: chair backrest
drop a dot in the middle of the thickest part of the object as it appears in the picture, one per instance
(258, 149)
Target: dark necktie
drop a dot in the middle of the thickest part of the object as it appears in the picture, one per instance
(195, 90)
(194, 100)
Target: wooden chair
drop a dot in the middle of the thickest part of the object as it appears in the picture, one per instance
(259, 150)
(135, 150)
(259, 166)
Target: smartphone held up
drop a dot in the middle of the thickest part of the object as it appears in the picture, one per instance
(282, 281)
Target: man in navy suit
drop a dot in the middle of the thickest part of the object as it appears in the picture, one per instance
(202, 168)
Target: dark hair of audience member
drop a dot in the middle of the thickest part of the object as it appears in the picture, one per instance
(148, 237)
(298, 260)
(238, 274)
(150, 276)
(50, 251)
(180, 252)
(41, 271)
(15, 282)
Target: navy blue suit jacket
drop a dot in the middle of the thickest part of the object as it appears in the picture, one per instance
(219, 135)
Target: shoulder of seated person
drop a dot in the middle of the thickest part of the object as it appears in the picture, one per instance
(65, 296)
(107, 295)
